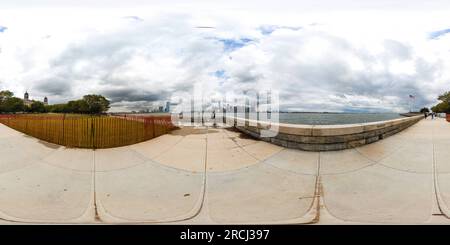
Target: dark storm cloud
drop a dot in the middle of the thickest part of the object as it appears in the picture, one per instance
(54, 86)
(133, 95)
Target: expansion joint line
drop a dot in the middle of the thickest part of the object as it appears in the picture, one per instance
(97, 216)
(318, 191)
(205, 182)
(205, 172)
(435, 177)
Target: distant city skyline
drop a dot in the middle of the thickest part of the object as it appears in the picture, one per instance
(335, 56)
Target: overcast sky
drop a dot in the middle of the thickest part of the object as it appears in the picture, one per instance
(320, 55)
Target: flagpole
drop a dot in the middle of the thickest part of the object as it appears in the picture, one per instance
(411, 102)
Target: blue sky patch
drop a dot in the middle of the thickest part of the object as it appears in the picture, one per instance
(437, 34)
(3, 28)
(219, 73)
(233, 44)
(268, 29)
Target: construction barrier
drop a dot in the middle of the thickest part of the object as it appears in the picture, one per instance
(89, 131)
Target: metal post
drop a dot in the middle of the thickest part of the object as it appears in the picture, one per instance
(192, 111)
(224, 113)
(257, 106)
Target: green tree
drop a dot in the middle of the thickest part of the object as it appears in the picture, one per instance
(444, 106)
(92, 104)
(38, 107)
(445, 97)
(57, 108)
(5, 94)
(96, 103)
(425, 109)
(12, 104)
(77, 106)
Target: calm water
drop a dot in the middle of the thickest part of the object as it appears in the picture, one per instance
(321, 118)
(335, 118)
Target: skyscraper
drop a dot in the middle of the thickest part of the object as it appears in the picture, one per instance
(167, 106)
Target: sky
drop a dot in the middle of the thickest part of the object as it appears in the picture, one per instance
(321, 55)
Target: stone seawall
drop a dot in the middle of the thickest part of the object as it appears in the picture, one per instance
(325, 137)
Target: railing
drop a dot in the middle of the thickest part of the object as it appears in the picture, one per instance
(89, 131)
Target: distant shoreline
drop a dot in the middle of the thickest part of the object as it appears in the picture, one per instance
(325, 112)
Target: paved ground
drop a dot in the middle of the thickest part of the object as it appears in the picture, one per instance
(221, 176)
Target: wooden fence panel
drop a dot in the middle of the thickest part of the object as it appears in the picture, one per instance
(89, 131)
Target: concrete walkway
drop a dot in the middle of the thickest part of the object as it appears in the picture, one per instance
(202, 176)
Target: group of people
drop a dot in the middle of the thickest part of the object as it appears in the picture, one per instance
(432, 114)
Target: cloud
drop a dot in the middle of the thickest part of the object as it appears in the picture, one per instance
(133, 95)
(369, 65)
(132, 63)
(316, 71)
(53, 86)
(135, 18)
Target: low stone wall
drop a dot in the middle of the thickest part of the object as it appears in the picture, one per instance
(325, 137)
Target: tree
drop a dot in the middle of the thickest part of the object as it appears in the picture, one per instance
(444, 106)
(425, 109)
(38, 107)
(57, 108)
(445, 97)
(5, 94)
(8, 103)
(12, 104)
(96, 103)
(92, 104)
(77, 106)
